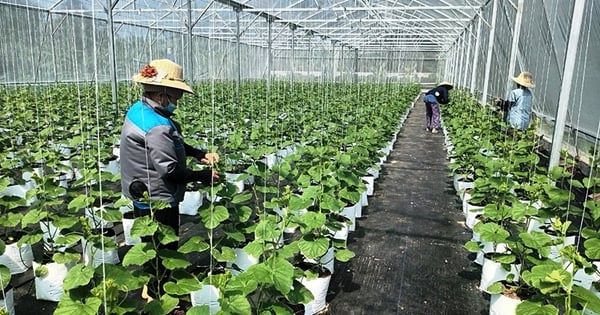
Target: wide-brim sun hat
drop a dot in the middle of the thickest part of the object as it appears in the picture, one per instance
(163, 72)
(447, 84)
(524, 79)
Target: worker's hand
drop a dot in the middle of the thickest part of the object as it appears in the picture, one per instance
(498, 100)
(210, 158)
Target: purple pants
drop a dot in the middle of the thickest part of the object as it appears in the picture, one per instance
(432, 117)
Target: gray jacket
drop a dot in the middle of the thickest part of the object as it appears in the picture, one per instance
(153, 155)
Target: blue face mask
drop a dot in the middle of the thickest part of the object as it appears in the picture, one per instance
(171, 107)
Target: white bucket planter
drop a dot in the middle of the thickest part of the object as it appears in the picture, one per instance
(350, 213)
(364, 200)
(370, 183)
(341, 234)
(192, 201)
(538, 224)
(271, 160)
(233, 178)
(19, 191)
(127, 221)
(208, 295)
(8, 301)
(555, 250)
(243, 261)
(318, 287)
(503, 305)
(50, 234)
(492, 271)
(373, 172)
(327, 260)
(472, 213)
(17, 259)
(95, 255)
(93, 216)
(49, 287)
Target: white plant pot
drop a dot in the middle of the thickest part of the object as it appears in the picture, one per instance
(127, 222)
(373, 172)
(94, 255)
(243, 261)
(585, 280)
(93, 216)
(208, 295)
(327, 261)
(503, 305)
(233, 178)
(341, 234)
(50, 232)
(112, 167)
(350, 213)
(50, 286)
(472, 213)
(492, 271)
(364, 200)
(8, 301)
(318, 287)
(17, 259)
(19, 191)
(370, 183)
(192, 201)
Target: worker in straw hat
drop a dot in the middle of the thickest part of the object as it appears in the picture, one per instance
(433, 98)
(153, 154)
(517, 106)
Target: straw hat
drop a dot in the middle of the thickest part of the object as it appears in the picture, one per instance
(163, 72)
(448, 85)
(525, 79)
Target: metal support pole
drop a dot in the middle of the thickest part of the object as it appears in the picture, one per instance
(293, 66)
(355, 80)
(112, 56)
(468, 60)
(270, 58)
(309, 34)
(515, 44)
(488, 63)
(333, 68)
(461, 63)
(54, 68)
(565, 89)
(476, 53)
(238, 69)
(190, 44)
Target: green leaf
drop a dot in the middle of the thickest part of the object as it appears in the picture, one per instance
(163, 306)
(244, 283)
(586, 298)
(592, 248)
(173, 260)
(297, 203)
(5, 276)
(472, 246)
(491, 232)
(236, 304)
(239, 198)
(312, 220)
(11, 219)
(344, 255)
(535, 308)
(199, 310)
(33, 217)
(211, 218)
(139, 254)
(194, 244)
(77, 276)
(183, 286)
(313, 248)
(80, 202)
(226, 254)
(143, 226)
(66, 257)
(68, 306)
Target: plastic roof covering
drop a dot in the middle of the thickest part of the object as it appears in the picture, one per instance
(389, 25)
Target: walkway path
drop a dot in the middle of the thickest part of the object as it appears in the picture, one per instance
(408, 245)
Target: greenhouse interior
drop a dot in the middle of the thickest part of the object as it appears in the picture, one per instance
(299, 157)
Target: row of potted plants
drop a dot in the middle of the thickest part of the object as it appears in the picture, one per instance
(303, 157)
(534, 228)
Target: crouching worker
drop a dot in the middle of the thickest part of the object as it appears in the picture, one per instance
(433, 98)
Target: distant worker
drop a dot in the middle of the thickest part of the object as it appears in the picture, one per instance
(517, 106)
(432, 99)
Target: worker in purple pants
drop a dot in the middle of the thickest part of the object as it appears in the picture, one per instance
(432, 99)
